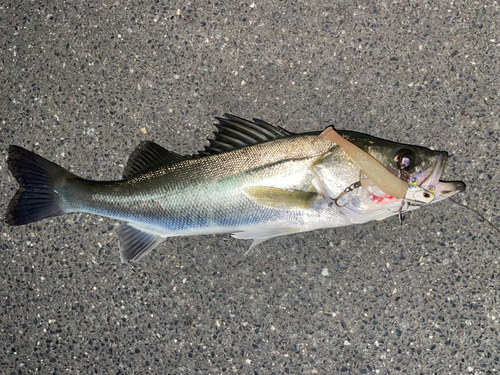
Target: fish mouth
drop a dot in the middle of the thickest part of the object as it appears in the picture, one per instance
(429, 180)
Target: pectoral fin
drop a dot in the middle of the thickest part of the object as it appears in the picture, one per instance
(280, 198)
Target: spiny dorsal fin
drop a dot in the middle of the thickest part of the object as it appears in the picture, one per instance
(235, 132)
(149, 156)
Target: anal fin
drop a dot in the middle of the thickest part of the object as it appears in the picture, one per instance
(134, 243)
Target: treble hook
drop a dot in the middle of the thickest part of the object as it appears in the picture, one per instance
(401, 214)
(348, 189)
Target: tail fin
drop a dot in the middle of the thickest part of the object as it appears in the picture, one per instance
(39, 179)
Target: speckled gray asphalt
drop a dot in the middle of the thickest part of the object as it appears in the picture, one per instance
(84, 83)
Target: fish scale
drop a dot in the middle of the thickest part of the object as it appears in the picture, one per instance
(193, 196)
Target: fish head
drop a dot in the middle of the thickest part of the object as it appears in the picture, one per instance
(419, 166)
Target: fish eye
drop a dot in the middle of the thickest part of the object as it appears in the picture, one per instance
(405, 159)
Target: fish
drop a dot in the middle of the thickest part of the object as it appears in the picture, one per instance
(254, 180)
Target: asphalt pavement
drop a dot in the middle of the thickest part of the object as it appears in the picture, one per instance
(83, 83)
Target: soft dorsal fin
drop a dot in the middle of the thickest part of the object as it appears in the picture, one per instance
(235, 132)
(149, 156)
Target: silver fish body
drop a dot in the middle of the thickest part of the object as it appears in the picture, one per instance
(254, 181)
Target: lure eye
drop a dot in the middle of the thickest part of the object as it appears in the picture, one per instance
(405, 161)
